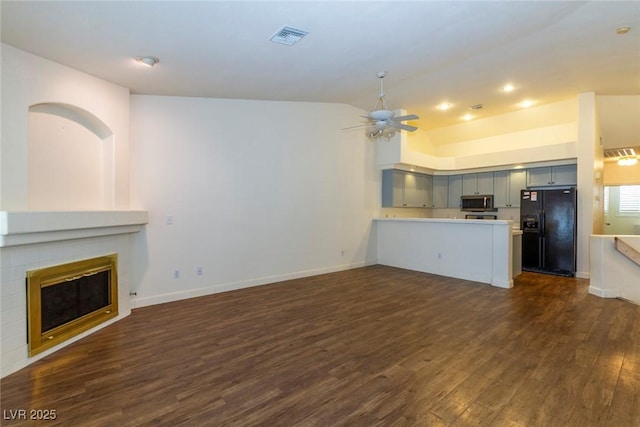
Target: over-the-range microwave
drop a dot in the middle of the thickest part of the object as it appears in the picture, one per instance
(477, 203)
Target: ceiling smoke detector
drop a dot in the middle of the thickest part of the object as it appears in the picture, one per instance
(477, 107)
(622, 30)
(148, 61)
(288, 35)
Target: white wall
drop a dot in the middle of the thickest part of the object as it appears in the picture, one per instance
(257, 192)
(621, 175)
(590, 189)
(66, 170)
(29, 80)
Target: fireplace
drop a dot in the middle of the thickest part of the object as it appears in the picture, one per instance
(65, 300)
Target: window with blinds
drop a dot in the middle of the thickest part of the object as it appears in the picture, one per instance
(629, 203)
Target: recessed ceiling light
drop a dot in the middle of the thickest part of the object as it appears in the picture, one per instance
(444, 106)
(623, 30)
(508, 88)
(526, 103)
(467, 117)
(149, 61)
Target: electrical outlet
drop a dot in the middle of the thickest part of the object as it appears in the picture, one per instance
(176, 274)
(199, 271)
(169, 219)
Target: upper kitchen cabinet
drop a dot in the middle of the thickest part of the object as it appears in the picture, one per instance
(416, 190)
(564, 175)
(455, 191)
(428, 192)
(507, 186)
(402, 189)
(477, 183)
(440, 191)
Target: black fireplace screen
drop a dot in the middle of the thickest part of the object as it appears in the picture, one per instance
(64, 302)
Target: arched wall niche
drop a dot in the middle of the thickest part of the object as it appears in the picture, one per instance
(71, 159)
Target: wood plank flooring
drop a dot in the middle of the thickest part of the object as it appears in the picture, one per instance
(375, 346)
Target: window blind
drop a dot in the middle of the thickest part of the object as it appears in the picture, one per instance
(629, 199)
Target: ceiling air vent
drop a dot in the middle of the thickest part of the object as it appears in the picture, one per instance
(619, 152)
(288, 35)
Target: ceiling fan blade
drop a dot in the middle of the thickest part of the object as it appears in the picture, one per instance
(402, 126)
(407, 117)
(357, 126)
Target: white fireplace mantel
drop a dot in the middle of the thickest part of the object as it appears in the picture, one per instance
(32, 227)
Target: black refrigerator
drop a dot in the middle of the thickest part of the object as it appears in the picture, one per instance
(548, 222)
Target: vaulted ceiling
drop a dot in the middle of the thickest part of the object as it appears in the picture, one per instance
(433, 51)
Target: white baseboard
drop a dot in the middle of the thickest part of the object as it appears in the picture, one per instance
(603, 293)
(138, 302)
(502, 284)
(583, 275)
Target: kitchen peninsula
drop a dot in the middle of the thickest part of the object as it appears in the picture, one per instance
(478, 250)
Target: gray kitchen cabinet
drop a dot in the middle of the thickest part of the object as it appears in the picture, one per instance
(455, 191)
(415, 190)
(564, 175)
(401, 189)
(507, 186)
(440, 191)
(392, 188)
(428, 193)
(477, 183)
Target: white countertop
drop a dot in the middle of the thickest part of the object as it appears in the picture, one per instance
(515, 230)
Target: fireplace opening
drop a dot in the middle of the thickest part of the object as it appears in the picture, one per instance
(68, 299)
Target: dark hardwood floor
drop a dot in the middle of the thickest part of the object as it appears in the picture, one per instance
(370, 346)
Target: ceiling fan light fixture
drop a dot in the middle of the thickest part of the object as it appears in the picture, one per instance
(381, 115)
(375, 134)
(382, 122)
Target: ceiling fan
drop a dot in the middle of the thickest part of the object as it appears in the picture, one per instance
(382, 122)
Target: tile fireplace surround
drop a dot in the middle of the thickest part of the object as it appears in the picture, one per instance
(30, 240)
